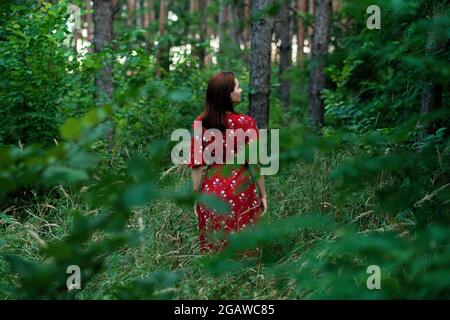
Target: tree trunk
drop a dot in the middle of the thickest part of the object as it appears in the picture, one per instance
(209, 31)
(89, 24)
(260, 50)
(246, 33)
(223, 24)
(131, 20)
(203, 6)
(234, 21)
(432, 91)
(149, 17)
(311, 11)
(336, 5)
(139, 20)
(285, 35)
(102, 37)
(301, 7)
(319, 52)
(162, 21)
(103, 31)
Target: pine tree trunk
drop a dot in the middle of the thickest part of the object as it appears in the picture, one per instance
(162, 21)
(131, 19)
(301, 7)
(319, 52)
(149, 17)
(233, 21)
(432, 91)
(209, 31)
(89, 24)
(102, 38)
(203, 32)
(336, 5)
(285, 35)
(260, 51)
(311, 11)
(223, 25)
(246, 33)
(103, 32)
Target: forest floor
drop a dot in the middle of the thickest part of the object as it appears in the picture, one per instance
(170, 235)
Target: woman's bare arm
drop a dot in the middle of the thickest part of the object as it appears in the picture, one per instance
(261, 186)
(197, 173)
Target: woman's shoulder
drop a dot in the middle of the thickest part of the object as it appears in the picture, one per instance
(241, 118)
(197, 118)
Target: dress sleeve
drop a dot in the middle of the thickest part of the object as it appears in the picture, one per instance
(196, 149)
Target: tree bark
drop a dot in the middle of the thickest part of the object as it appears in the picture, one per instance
(103, 32)
(311, 11)
(149, 17)
(246, 33)
(203, 6)
(102, 38)
(285, 35)
(162, 21)
(301, 7)
(432, 91)
(319, 52)
(223, 24)
(131, 18)
(336, 5)
(89, 24)
(209, 31)
(260, 50)
(233, 21)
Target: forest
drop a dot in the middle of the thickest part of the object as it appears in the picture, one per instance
(92, 206)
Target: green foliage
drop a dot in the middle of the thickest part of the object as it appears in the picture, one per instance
(370, 190)
(378, 75)
(33, 81)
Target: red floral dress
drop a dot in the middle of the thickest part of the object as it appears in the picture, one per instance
(235, 186)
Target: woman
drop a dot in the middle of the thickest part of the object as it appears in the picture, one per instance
(235, 186)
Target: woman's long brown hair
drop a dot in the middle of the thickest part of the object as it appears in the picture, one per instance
(218, 100)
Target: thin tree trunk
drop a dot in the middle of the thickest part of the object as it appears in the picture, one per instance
(131, 20)
(209, 32)
(285, 34)
(301, 7)
(149, 17)
(223, 24)
(246, 33)
(432, 91)
(89, 24)
(319, 52)
(139, 20)
(103, 32)
(336, 5)
(261, 45)
(246, 30)
(162, 21)
(233, 21)
(203, 33)
(102, 37)
(311, 11)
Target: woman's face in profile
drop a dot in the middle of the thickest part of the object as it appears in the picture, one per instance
(236, 94)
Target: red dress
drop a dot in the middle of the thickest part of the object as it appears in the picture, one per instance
(234, 186)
